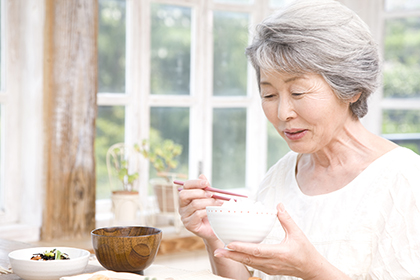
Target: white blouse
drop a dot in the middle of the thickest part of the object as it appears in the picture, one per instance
(370, 229)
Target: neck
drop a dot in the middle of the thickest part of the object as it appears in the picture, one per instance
(352, 143)
(341, 160)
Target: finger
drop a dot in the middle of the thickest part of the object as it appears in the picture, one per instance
(286, 221)
(246, 259)
(187, 196)
(257, 250)
(195, 218)
(199, 183)
(198, 204)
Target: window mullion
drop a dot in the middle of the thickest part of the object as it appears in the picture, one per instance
(201, 91)
(400, 103)
(256, 144)
(138, 82)
(111, 99)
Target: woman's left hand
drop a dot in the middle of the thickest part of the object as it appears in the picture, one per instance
(294, 256)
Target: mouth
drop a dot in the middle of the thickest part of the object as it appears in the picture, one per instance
(295, 134)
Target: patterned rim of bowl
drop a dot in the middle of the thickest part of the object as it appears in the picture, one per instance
(226, 210)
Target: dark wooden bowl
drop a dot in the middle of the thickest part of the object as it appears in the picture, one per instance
(126, 249)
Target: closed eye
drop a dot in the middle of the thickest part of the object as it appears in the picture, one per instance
(297, 93)
(268, 96)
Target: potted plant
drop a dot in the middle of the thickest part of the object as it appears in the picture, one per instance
(162, 155)
(121, 161)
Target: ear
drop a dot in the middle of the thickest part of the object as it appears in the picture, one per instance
(355, 98)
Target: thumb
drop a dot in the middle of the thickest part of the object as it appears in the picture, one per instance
(286, 221)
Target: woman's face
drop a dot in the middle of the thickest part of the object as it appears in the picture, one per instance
(303, 109)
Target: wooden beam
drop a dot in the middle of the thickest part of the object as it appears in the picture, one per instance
(70, 86)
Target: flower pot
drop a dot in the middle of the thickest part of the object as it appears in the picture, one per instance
(166, 195)
(124, 206)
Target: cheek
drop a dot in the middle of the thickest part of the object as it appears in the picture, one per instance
(270, 110)
(319, 110)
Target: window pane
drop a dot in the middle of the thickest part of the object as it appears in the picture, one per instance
(229, 148)
(235, 1)
(170, 49)
(109, 131)
(402, 56)
(404, 125)
(230, 63)
(276, 145)
(395, 5)
(111, 46)
(401, 121)
(173, 124)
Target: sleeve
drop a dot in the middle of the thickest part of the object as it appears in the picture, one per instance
(397, 251)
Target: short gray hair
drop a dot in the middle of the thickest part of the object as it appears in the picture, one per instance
(320, 37)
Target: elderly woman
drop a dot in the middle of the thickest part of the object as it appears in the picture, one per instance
(348, 201)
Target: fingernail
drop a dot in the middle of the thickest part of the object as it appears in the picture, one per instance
(203, 183)
(209, 194)
(281, 207)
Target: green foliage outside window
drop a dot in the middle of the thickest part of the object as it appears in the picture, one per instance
(170, 49)
(229, 148)
(171, 123)
(401, 121)
(229, 62)
(401, 76)
(111, 46)
(402, 58)
(109, 130)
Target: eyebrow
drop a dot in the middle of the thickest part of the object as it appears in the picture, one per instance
(293, 79)
(285, 81)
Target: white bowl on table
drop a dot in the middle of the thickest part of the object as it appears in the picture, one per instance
(28, 269)
(241, 224)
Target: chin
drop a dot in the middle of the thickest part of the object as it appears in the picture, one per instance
(300, 148)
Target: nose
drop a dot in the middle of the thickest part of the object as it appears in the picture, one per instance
(286, 111)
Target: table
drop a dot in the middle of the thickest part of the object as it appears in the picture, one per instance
(7, 246)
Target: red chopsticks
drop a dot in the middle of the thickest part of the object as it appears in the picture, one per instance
(214, 190)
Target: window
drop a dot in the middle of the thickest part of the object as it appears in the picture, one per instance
(177, 70)
(401, 83)
(185, 90)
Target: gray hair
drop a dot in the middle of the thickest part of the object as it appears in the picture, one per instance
(320, 37)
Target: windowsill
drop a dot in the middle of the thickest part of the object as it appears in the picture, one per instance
(104, 218)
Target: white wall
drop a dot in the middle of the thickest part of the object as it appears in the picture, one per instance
(25, 146)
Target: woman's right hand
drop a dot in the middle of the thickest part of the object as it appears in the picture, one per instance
(192, 207)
